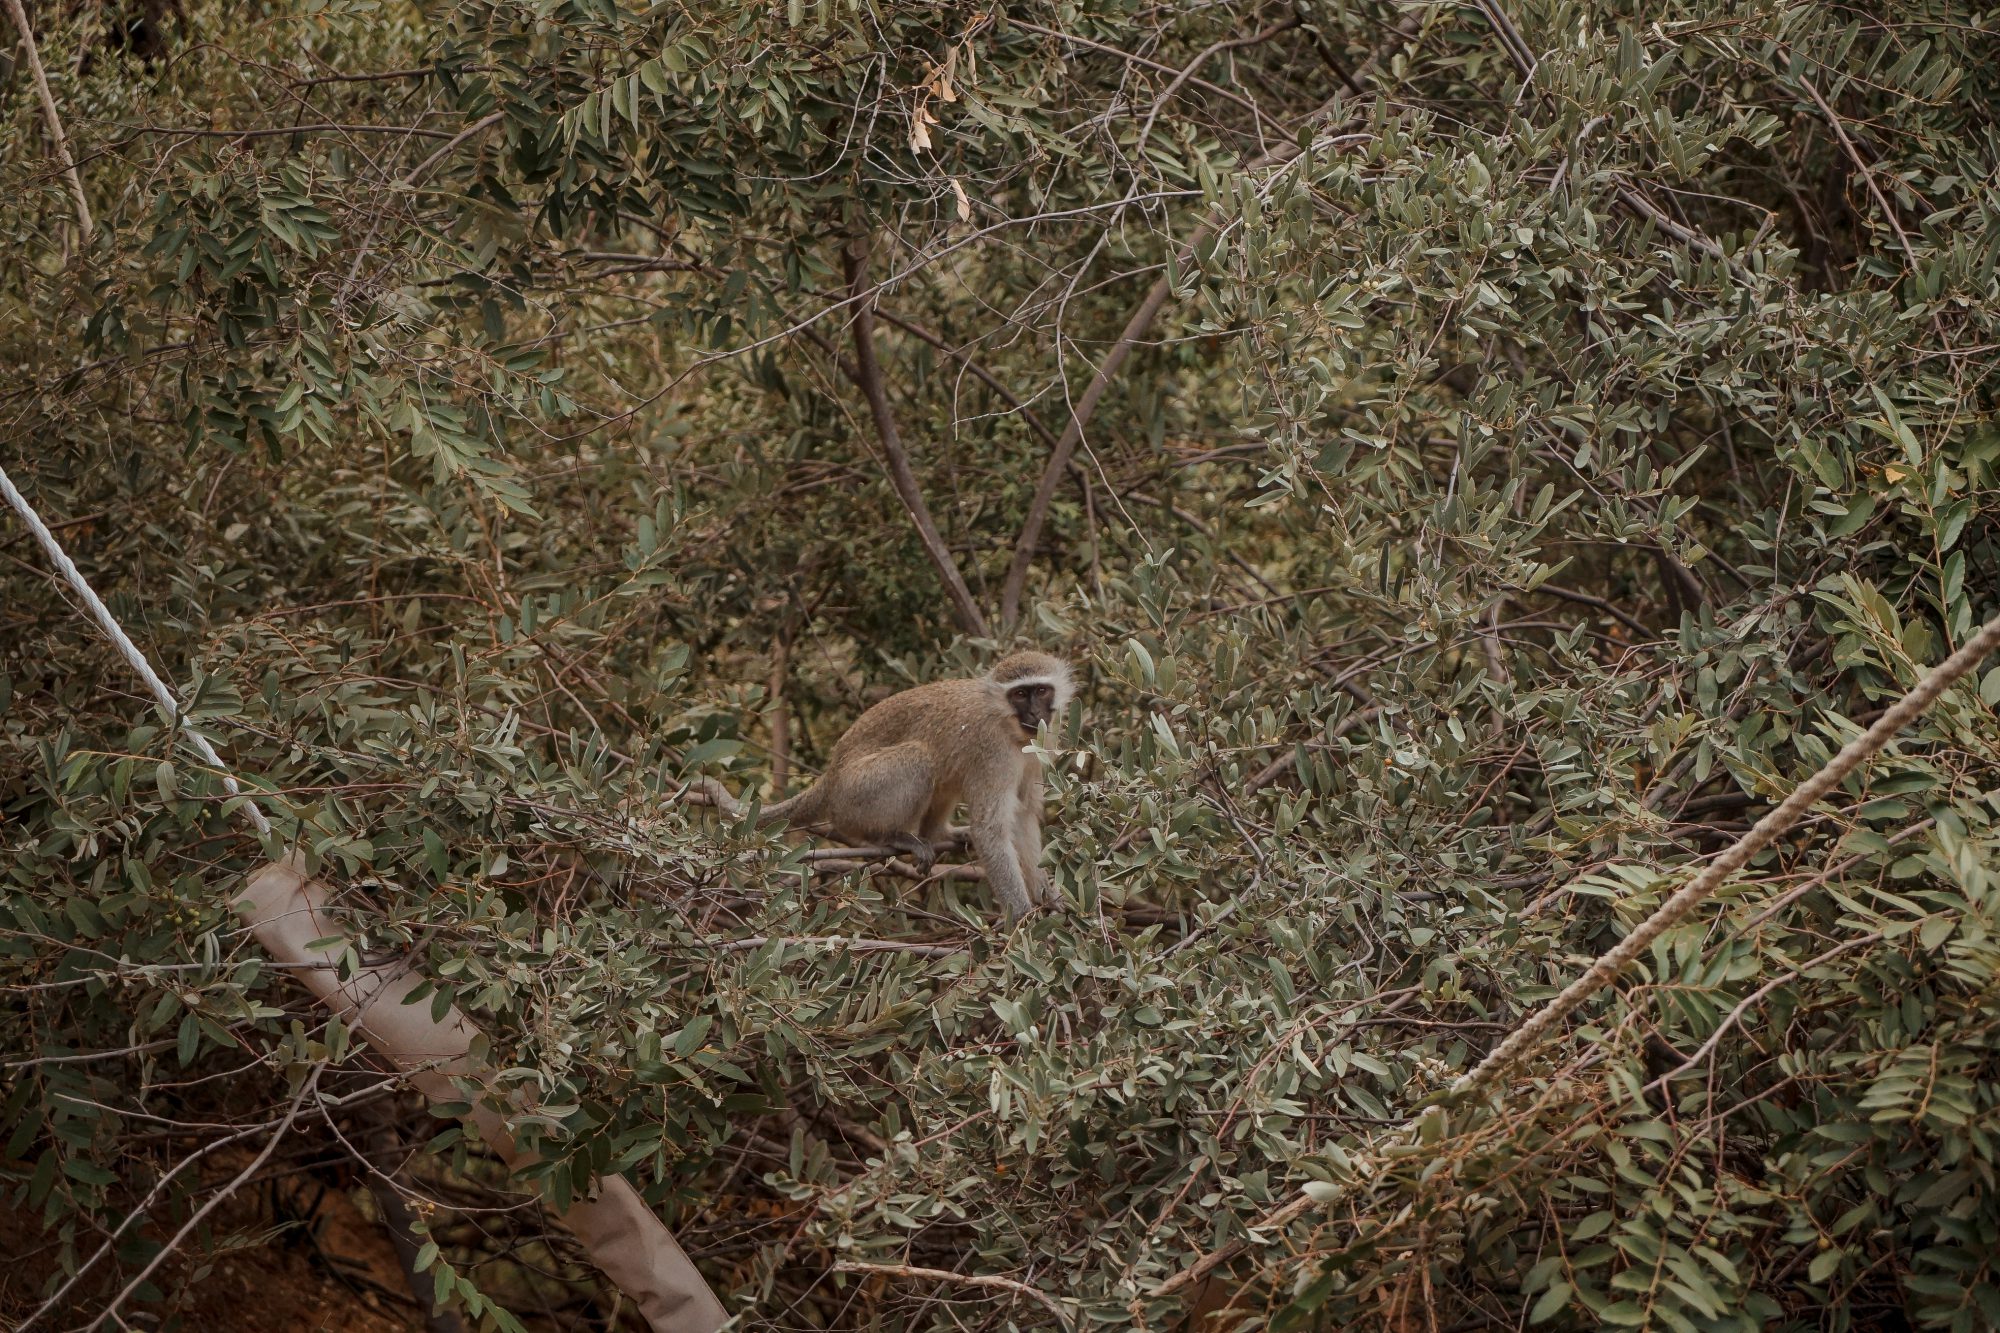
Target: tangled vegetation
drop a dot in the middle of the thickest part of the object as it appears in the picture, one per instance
(1478, 456)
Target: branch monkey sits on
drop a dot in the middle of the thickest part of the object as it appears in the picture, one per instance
(898, 773)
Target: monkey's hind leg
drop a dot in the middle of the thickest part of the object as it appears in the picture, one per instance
(883, 799)
(935, 830)
(917, 849)
(1028, 852)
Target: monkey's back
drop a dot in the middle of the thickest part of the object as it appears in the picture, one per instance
(952, 719)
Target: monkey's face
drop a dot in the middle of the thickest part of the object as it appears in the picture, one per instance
(1033, 702)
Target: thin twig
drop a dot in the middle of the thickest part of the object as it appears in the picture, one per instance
(1129, 58)
(987, 1281)
(306, 1087)
(1517, 50)
(423, 168)
(1269, 773)
(1058, 463)
(1187, 72)
(1861, 165)
(132, 1218)
(839, 943)
(409, 181)
(387, 75)
(1750, 1001)
(979, 372)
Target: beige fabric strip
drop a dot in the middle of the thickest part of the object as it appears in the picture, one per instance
(287, 911)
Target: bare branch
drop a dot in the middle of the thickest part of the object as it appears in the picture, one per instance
(85, 226)
(306, 1088)
(868, 374)
(423, 168)
(1134, 330)
(850, 943)
(1589, 599)
(282, 131)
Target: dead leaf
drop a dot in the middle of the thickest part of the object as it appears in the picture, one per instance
(920, 135)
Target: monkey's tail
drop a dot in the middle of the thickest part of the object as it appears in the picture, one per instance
(798, 810)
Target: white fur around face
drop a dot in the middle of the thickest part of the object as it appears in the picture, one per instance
(1065, 687)
(1059, 681)
(1035, 668)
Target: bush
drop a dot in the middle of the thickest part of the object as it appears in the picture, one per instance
(1558, 431)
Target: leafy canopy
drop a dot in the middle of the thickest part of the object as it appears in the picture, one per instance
(1562, 425)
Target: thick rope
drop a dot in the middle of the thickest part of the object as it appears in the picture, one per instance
(101, 613)
(1522, 1041)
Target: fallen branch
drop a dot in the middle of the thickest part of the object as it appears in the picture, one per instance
(1524, 1039)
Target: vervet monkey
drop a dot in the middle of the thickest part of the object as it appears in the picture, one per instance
(898, 773)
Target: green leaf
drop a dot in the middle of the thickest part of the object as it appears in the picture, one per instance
(438, 857)
(1593, 1225)
(1825, 1264)
(1552, 1302)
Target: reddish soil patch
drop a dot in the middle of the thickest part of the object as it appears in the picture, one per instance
(274, 1284)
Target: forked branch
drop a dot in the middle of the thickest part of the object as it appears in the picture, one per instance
(1139, 324)
(868, 373)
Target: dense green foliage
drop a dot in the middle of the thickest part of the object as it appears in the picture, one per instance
(1521, 487)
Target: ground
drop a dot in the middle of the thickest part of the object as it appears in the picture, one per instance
(277, 1280)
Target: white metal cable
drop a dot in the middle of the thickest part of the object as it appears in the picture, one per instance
(116, 633)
